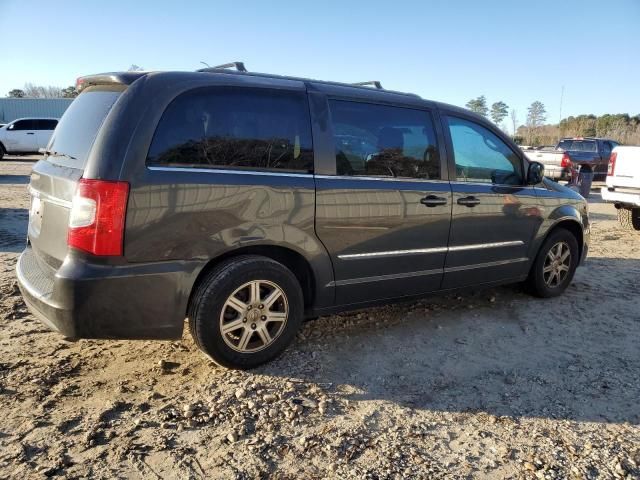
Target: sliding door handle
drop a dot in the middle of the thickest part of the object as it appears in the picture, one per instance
(433, 201)
(469, 201)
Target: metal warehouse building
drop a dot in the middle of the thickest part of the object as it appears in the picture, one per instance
(12, 108)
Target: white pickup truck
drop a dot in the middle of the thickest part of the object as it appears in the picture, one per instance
(623, 185)
(556, 162)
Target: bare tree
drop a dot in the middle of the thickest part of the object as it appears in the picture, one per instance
(40, 91)
(514, 120)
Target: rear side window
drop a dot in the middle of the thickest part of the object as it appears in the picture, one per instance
(46, 124)
(79, 126)
(578, 145)
(235, 128)
(383, 141)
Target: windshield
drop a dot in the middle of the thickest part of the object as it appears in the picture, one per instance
(79, 126)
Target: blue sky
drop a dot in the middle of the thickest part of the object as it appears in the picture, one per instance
(451, 51)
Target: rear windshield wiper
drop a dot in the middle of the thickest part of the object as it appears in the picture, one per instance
(53, 153)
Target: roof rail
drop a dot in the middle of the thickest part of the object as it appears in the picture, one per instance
(373, 83)
(239, 66)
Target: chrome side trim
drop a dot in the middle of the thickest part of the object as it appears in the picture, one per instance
(379, 278)
(460, 248)
(482, 246)
(391, 253)
(50, 199)
(485, 265)
(230, 171)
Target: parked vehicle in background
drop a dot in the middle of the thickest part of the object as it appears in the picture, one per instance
(247, 202)
(26, 135)
(586, 152)
(589, 152)
(556, 162)
(623, 185)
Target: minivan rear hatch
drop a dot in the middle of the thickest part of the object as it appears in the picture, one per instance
(54, 179)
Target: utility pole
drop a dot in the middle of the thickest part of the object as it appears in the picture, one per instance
(560, 119)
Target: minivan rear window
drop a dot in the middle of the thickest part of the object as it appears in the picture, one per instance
(79, 126)
(237, 128)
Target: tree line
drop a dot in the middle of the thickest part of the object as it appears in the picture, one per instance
(620, 127)
(40, 91)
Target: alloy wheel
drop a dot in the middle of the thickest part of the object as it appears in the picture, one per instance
(557, 264)
(253, 316)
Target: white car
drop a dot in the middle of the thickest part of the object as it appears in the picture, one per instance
(26, 135)
(623, 185)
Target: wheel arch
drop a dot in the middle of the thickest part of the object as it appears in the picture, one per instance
(291, 259)
(569, 223)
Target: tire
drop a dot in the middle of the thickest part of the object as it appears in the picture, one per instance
(629, 218)
(227, 297)
(2, 152)
(539, 277)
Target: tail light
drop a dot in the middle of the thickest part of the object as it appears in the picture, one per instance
(96, 221)
(612, 164)
(566, 161)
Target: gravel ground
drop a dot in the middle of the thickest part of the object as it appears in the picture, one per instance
(489, 384)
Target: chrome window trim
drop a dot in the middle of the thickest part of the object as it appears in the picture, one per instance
(415, 251)
(50, 199)
(230, 171)
(381, 179)
(485, 184)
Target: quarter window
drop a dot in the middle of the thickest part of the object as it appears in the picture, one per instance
(481, 156)
(384, 141)
(46, 124)
(235, 128)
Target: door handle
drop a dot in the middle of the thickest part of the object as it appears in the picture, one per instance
(469, 201)
(30, 133)
(433, 201)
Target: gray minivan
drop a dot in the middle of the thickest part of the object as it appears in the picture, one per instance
(248, 202)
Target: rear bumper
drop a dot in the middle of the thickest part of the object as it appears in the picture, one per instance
(84, 300)
(630, 199)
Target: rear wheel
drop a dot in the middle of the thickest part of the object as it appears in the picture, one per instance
(2, 151)
(555, 264)
(629, 218)
(246, 311)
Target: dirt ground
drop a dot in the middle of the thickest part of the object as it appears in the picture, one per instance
(490, 384)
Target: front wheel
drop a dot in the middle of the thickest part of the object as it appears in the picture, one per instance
(555, 265)
(2, 152)
(246, 311)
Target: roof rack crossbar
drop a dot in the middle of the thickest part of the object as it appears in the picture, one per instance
(373, 83)
(239, 66)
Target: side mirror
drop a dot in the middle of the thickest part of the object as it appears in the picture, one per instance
(535, 173)
(10, 127)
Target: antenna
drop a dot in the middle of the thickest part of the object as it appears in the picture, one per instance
(560, 119)
(205, 64)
